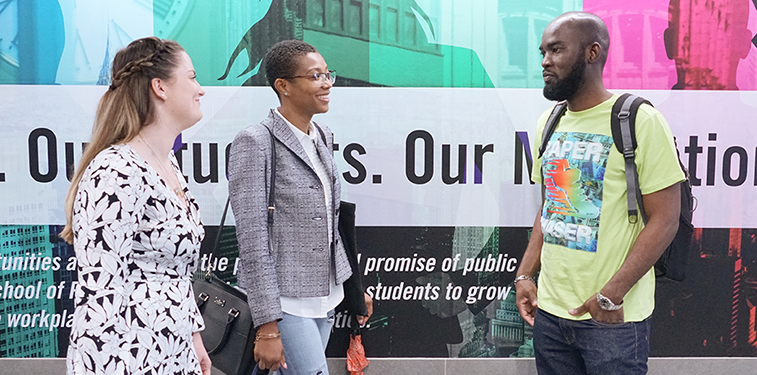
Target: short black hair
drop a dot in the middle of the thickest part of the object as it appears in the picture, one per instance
(281, 59)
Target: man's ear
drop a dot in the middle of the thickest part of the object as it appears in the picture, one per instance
(594, 52)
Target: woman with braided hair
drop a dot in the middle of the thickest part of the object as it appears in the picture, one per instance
(134, 224)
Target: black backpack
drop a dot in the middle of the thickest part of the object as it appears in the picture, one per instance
(672, 263)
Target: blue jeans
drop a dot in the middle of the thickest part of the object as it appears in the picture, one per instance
(589, 347)
(305, 341)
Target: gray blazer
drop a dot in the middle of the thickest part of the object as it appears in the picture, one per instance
(300, 262)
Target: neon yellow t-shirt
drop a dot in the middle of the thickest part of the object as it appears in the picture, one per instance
(587, 235)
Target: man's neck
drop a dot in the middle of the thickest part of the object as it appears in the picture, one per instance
(588, 97)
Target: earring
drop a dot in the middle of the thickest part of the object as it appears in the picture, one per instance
(163, 96)
(286, 94)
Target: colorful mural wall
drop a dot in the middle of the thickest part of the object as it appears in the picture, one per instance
(434, 112)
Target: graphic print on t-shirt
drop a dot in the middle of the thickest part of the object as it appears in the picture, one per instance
(573, 170)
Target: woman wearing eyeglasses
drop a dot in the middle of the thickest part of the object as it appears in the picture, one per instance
(294, 276)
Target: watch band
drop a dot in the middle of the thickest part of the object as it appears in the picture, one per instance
(607, 304)
(523, 277)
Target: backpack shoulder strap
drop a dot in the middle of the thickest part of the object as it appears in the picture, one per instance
(623, 125)
(549, 128)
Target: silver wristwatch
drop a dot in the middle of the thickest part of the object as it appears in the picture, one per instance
(606, 304)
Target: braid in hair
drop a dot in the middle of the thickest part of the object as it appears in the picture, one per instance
(138, 66)
(135, 67)
(131, 68)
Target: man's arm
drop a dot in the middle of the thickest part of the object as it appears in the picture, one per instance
(525, 290)
(663, 209)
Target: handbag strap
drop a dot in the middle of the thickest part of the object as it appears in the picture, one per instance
(218, 239)
(258, 371)
(271, 200)
(230, 317)
(271, 191)
(323, 136)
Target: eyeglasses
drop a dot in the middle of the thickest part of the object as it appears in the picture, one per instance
(330, 75)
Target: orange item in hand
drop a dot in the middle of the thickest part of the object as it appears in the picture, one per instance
(356, 360)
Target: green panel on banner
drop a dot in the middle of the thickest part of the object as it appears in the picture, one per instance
(210, 31)
(402, 43)
(348, 56)
(29, 326)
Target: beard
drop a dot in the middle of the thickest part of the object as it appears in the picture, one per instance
(564, 89)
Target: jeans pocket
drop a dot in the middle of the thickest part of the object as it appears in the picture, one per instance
(608, 325)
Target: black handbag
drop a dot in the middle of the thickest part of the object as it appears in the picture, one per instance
(229, 334)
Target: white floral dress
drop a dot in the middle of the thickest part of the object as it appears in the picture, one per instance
(136, 249)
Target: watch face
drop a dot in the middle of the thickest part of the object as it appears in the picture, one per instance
(603, 303)
(606, 304)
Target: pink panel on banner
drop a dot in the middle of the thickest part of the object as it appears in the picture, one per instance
(680, 44)
(746, 76)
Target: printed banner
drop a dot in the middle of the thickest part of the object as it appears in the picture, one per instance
(409, 157)
(434, 115)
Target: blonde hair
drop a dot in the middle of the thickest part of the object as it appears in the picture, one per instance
(127, 105)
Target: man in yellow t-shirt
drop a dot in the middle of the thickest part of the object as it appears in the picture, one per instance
(596, 284)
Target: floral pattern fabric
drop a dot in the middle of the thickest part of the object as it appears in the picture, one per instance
(136, 247)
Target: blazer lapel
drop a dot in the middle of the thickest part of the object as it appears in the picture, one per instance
(327, 155)
(284, 134)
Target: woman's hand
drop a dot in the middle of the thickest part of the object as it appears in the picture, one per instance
(202, 354)
(269, 352)
(369, 306)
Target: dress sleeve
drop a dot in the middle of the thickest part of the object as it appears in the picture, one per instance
(104, 221)
(249, 167)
